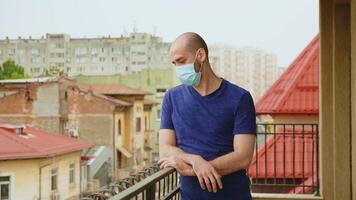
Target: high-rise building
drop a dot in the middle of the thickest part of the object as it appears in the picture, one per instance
(248, 67)
(87, 56)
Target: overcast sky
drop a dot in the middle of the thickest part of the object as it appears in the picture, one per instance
(284, 27)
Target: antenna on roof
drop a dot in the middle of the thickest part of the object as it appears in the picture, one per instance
(134, 27)
(124, 31)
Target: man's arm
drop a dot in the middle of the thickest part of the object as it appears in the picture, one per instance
(168, 146)
(195, 165)
(240, 158)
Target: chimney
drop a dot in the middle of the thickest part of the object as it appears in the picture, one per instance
(18, 129)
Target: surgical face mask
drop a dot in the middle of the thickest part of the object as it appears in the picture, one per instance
(187, 74)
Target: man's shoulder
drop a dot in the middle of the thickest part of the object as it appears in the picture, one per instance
(176, 89)
(235, 89)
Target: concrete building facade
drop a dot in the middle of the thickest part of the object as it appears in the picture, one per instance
(87, 56)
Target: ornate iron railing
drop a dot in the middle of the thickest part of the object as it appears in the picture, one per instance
(148, 184)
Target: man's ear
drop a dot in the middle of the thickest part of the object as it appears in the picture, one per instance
(202, 55)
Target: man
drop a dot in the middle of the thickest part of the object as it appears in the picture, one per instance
(208, 127)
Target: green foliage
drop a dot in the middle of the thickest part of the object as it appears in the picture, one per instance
(10, 70)
(54, 71)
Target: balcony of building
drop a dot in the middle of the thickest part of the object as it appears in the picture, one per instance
(285, 165)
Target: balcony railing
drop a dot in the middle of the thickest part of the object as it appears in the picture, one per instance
(286, 161)
(149, 184)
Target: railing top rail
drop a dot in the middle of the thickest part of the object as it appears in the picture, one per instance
(142, 185)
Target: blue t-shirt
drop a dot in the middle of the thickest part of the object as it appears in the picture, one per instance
(206, 125)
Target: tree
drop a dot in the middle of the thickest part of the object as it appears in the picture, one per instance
(10, 70)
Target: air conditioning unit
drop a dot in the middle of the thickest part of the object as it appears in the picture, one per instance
(54, 196)
(73, 132)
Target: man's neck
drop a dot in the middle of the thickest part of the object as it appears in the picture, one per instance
(209, 82)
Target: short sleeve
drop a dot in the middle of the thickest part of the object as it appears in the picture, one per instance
(166, 112)
(245, 116)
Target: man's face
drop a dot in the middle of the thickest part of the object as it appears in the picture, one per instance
(180, 56)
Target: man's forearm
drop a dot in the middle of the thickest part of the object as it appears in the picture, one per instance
(236, 161)
(168, 150)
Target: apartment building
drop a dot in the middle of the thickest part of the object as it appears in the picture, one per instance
(248, 67)
(86, 56)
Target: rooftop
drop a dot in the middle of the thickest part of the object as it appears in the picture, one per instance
(30, 80)
(112, 89)
(297, 89)
(21, 142)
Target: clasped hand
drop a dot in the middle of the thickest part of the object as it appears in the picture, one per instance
(207, 175)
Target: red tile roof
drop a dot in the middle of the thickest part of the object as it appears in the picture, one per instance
(112, 89)
(35, 143)
(297, 89)
(113, 100)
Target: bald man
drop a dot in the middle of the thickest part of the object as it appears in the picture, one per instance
(208, 127)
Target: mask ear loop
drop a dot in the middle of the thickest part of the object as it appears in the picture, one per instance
(201, 66)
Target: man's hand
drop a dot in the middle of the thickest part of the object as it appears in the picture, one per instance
(182, 167)
(206, 173)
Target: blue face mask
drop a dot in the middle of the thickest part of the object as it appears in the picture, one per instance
(187, 74)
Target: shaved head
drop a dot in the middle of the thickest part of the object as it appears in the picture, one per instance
(191, 42)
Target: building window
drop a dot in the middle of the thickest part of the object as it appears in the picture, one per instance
(160, 91)
(158, 114)
(36, 69)
(54, 179)
(59, 64)
(35, 51)
(94, 51)
(57, 46)
(80, 51)
(36, 59)
(5, 187)
(65, 123)
(80, 60)
(11, 52)
(146, 123)
(138, 124)
(115, 60)
(116, 50)
(56, 55)
(94, 60)
(119, 127)
(71, 173)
